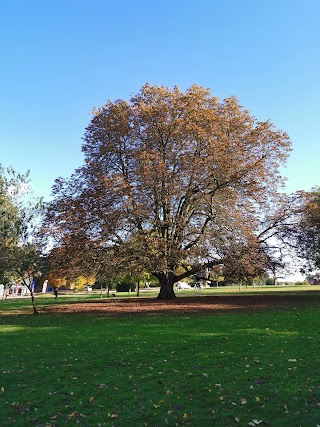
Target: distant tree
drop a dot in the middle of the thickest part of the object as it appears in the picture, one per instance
(77, 256)
(170, 170)
(307, 233)
(245, 262)
(279, 234)
(216, 274)
(81, 282)
(55, 280)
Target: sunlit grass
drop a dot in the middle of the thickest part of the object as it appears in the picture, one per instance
(221, 370)
(11, 329)
(13, 303)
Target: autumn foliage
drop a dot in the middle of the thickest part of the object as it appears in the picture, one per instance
(172, 179)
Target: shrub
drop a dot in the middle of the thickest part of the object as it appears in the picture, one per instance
(301, 283)
(269, 281)
(125, 287)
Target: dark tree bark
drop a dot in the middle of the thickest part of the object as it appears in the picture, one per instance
(33, 298)
(166, 280)
(33, 301)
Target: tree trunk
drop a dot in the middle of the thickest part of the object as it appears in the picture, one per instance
(33, 299)
(138, 288)
(35, 310)
(4, 295)
(166, 281)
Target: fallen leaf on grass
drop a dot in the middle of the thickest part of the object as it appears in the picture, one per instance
(73, 414)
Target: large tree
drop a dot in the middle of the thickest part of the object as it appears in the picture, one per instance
(172, 174)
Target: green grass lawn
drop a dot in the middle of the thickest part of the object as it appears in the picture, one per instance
(239, 369)
(70, 297)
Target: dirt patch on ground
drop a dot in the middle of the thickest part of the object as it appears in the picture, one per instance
(184, 305)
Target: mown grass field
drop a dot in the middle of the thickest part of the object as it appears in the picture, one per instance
(231, 369)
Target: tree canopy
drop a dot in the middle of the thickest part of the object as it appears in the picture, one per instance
(171, 179)
(307, 234)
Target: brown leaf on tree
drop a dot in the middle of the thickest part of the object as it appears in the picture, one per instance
(173, 184)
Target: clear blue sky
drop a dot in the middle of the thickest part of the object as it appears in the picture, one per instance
(60, 58)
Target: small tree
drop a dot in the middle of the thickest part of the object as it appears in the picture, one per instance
(25, 261)
(20, 256)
